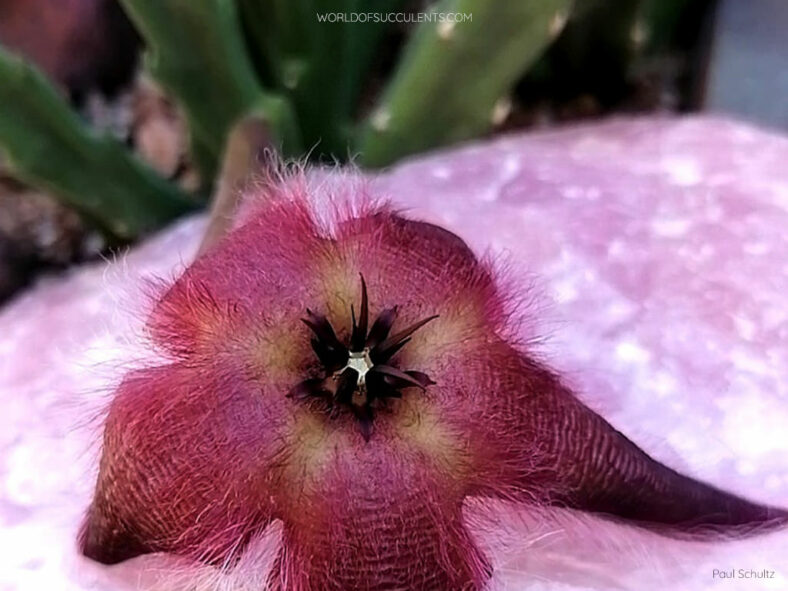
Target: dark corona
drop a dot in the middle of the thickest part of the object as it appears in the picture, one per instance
(361, 373)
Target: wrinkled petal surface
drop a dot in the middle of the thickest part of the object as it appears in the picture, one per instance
(185, 466)
(385, 515)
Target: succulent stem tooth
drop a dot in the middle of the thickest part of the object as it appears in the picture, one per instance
(446, 29)
(557, 22)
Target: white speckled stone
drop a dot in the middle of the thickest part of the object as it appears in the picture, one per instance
(656, 252)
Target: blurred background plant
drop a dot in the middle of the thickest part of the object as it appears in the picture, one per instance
(87, 128)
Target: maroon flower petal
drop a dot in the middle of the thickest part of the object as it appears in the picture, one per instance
(417, 266)
(268, 267)
(183, 467)
(382, 519)
(551, 448)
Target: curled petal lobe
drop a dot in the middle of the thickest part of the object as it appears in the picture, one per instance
(183, 468)
(550, 448)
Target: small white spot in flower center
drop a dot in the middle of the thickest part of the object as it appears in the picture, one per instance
(361, 363)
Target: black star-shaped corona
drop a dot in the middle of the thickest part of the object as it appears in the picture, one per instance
(360, 373)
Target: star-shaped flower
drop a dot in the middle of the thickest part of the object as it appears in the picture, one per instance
(280, 402)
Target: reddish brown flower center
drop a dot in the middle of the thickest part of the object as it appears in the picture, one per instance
(362, 374)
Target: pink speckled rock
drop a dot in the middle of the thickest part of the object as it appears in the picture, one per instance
(655, 251)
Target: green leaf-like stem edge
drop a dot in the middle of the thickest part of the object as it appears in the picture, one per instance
(196, 51)
(454, 78)
(47, 145)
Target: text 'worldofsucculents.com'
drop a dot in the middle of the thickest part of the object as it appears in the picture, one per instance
(394, 17)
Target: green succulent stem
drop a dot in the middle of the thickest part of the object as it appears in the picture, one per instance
(196, 51)
(319, 63)
(454, 78)
(47, 145)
